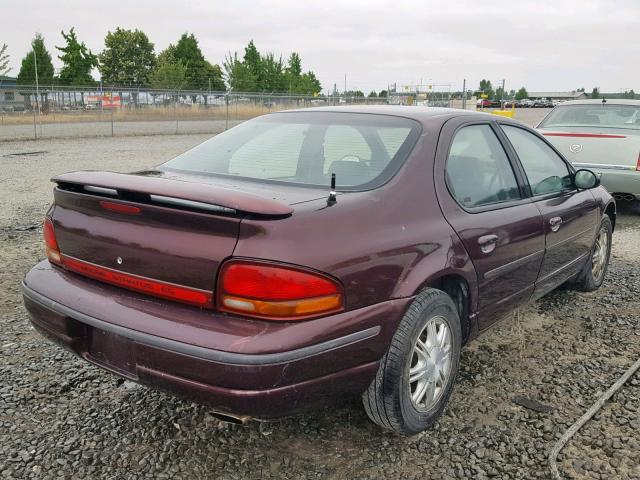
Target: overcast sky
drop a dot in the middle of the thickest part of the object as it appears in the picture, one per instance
(543, 45)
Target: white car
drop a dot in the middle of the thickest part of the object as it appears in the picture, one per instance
(603, 136)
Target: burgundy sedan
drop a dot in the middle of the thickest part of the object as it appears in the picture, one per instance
(306, 255)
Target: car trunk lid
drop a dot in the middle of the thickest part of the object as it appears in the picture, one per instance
(155, 227)
(590, 147)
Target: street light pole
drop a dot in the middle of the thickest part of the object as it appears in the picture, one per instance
(35, 66)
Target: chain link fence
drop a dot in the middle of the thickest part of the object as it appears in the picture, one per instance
(64, 112)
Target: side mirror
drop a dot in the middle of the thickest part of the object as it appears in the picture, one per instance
(585, 179)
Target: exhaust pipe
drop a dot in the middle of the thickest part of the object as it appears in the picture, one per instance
(627, 197)
(228, 418)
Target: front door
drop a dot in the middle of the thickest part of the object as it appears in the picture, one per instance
(570, 217)
(482, 198)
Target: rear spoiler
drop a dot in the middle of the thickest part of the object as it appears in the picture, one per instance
(172, 192)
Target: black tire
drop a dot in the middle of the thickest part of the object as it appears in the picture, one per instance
(586, 281)
(388, 400)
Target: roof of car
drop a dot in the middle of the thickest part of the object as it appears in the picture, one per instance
(419, 113)
(599, 101)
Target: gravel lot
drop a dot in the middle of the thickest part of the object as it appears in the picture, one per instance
(63, 418)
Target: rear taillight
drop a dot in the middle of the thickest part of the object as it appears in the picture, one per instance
(638, 163)
(50, 242)
(276, 292)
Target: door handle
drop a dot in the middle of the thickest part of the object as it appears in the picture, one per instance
(488, 243)
(555, 223)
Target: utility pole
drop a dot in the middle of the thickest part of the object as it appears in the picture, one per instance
(35, 66)
(464, 94)
(345, 84)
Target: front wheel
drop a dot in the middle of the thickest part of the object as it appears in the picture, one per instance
(593, 272)
(415, 377)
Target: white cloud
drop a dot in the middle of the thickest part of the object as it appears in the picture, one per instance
(544, 44)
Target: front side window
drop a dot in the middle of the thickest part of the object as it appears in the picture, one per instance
(546, 171)
(306, 148)
(478, 170)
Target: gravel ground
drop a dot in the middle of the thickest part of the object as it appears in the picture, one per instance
(521, 385)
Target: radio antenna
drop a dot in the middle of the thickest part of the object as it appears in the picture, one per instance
(332, 193)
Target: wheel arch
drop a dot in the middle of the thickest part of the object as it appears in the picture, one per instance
(610, 210)
(459, 289)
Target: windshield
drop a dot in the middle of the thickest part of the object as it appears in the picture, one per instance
(594, 115)
(363, 150)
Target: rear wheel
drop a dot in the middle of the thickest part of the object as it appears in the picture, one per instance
(594, 271)
(415, 377)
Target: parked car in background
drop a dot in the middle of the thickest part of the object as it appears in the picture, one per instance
(542, 103)
(602, 135)
(487, 103)
(306, 255)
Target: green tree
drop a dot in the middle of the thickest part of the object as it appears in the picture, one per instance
(383, 94)
(268, 73)
(486, 88)
(4, 60)
(252, 60)
(372, 94)
(167, 73)
(128, 58)
(301, 83)
(595, 93)
(77, 60)
(213, 73)
(239, 76)
(40, 55)
(308, 84)
(272, 74)
(295, 65)
(522, 94)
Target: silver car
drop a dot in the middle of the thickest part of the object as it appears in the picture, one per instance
(603, 136)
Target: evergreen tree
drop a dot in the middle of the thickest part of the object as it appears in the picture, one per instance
(78, 61)
(37, 55)
(4, 60)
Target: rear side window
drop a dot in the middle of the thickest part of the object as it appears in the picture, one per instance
(478, 170)
(546, 171)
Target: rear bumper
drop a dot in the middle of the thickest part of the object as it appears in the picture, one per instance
(264, 370)
(620, 181)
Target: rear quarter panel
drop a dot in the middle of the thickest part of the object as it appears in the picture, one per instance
(381, 244)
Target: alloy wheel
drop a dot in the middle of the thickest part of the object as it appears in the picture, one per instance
(599, 256)
(430, 366)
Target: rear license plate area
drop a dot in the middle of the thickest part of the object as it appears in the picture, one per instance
(112, 352)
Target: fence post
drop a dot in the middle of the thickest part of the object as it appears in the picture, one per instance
(112, 120)
(35, 128)
(175, 105)
(226, 123)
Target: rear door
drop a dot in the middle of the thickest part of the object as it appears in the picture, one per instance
(570, 216)
(483, 199)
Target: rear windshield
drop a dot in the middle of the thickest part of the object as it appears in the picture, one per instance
(363, 150)
(599, 115)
